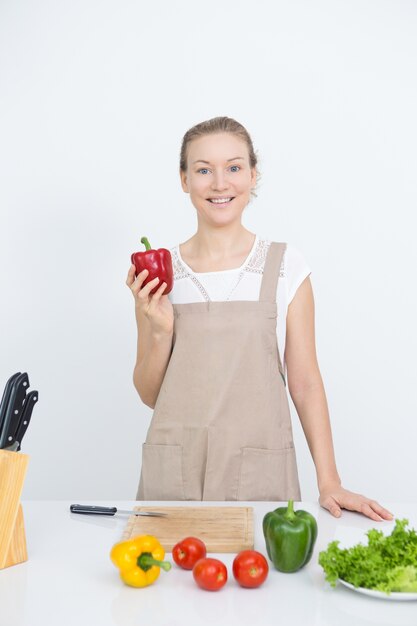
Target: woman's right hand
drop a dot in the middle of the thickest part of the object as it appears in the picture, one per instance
(157, 307)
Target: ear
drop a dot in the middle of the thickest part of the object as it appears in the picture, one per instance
(253, 176)
(183, 177)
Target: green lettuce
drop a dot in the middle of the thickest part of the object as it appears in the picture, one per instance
(388, 563)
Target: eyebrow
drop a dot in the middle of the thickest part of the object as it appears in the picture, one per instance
(208, 162)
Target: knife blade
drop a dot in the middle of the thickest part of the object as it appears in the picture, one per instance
(5, 398)
(16, 440)
(107, 510)
(14, 408)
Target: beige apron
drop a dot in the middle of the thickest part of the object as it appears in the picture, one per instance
(221, 427)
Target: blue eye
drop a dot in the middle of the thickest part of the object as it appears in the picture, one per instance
(205, 168)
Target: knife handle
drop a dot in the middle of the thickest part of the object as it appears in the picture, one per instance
(92, 510)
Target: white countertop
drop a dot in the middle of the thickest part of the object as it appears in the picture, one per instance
(69, 578)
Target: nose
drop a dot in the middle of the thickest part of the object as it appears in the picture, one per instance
(219, 182)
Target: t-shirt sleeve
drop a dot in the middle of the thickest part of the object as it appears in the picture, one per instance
(296, 270)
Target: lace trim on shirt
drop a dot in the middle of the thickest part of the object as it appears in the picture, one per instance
(255, 264)
(178, 268)
(257, 261)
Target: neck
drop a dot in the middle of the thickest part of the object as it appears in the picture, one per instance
(216, 244)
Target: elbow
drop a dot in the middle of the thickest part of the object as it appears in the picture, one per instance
(146, 399)
(305, 387)
(150, 402)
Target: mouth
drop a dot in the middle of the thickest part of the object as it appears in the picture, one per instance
(220, 201)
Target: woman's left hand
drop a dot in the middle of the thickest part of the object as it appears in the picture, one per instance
(339, 498)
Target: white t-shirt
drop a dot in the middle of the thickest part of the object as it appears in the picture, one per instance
(241, 283)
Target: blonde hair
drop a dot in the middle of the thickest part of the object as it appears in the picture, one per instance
(219, 125)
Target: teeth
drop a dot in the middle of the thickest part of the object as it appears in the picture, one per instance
(220, 201)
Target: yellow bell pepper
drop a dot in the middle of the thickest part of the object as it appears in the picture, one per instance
(139, 560)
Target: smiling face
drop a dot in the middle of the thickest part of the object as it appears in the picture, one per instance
(218, 167)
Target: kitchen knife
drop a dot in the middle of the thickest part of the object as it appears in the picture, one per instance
(6, 397)
(15, 441)
(14, 408)
(106, 510)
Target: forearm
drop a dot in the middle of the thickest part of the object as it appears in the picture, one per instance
(151, 365)
(311, 405)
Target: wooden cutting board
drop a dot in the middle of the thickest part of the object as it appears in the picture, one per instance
(222, 528)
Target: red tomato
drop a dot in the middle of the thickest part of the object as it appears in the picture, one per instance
(210, 574)
(187, 552)
(250, 568)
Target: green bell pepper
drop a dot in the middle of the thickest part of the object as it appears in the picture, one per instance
(290, 537)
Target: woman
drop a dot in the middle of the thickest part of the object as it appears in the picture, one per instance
(208, 359)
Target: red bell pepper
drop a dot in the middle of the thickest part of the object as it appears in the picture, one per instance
(158, 263)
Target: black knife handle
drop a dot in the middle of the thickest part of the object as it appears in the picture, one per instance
(30, 401)
(92, 510)
(14, 409)
(6, 396)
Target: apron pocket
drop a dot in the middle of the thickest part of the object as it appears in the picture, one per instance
(267, 474)
(162, 472)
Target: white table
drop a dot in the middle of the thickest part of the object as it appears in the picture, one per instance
(69, 578)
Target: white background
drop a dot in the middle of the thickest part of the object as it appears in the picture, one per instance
(95, 97)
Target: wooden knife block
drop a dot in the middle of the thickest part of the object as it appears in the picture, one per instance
(13, 467)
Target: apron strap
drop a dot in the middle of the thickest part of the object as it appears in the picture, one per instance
(269, 283)
(268, 292)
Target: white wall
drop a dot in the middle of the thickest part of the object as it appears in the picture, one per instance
(95, 98)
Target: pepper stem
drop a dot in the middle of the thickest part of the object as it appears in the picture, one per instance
(146, 560)
(146, 242)
(290, 510)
